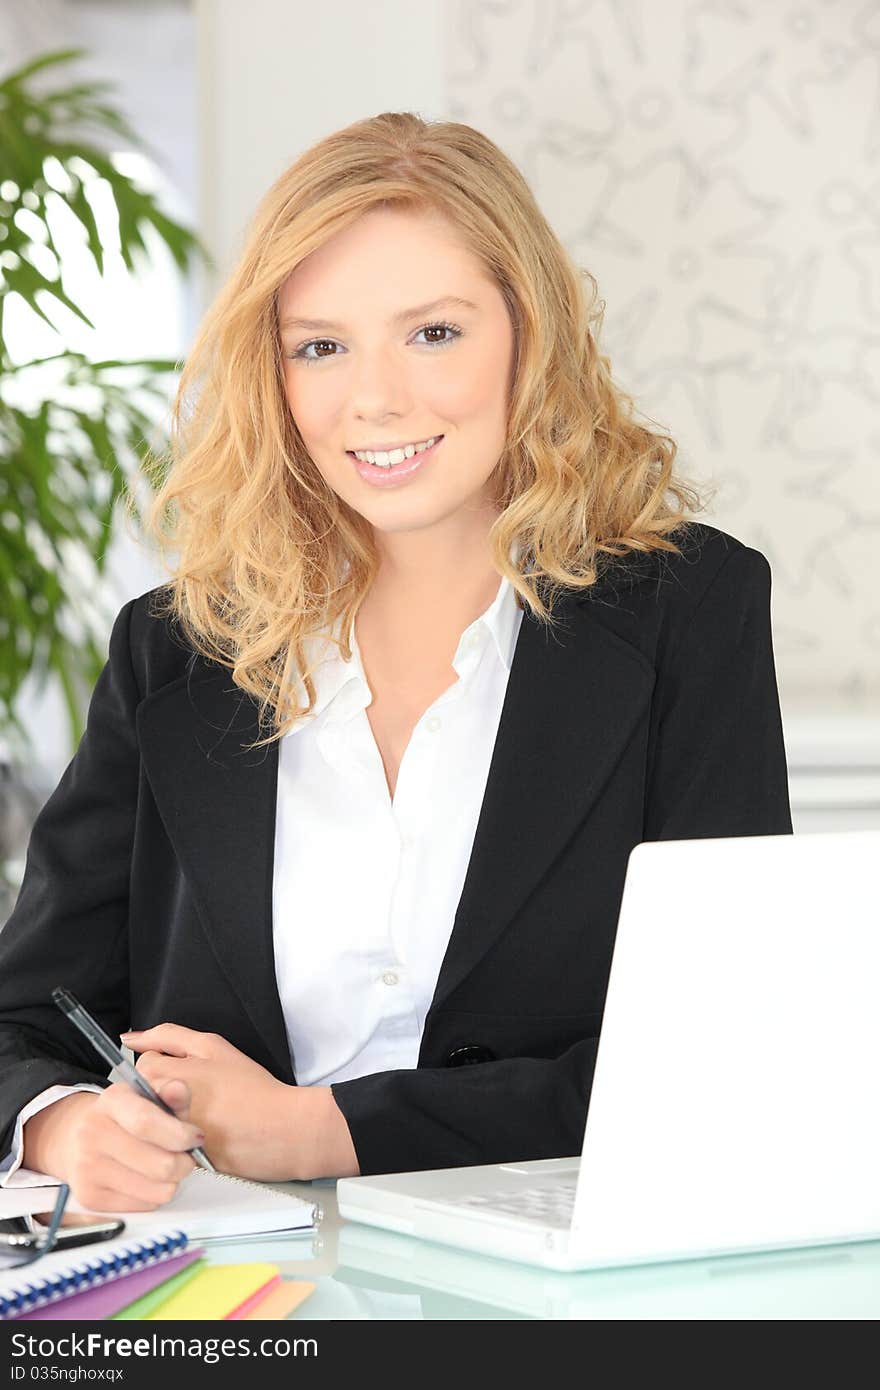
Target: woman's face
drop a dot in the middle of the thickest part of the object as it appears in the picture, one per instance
(379, 370)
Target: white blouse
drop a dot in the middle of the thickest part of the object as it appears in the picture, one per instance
(365, 887)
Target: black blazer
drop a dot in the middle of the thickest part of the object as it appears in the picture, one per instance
(651, 713)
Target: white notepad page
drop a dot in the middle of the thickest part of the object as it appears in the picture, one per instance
(205, 1206)
(216, 1206)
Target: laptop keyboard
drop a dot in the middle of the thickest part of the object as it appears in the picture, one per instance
(550, 1204)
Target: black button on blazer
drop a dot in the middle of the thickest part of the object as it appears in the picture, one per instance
(469, 1054)
(650, 712)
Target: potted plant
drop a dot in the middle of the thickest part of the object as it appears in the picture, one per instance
(72, 430)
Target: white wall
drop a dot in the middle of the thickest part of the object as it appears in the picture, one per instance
(275, 77)
(710, 165)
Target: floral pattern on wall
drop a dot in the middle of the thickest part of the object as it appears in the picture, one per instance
(716, 166)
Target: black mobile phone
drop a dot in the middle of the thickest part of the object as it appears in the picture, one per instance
(77, 1228)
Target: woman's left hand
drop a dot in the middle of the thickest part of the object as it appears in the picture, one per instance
(255, 1125)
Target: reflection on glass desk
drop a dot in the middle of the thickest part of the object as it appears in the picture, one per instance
(364, 1273)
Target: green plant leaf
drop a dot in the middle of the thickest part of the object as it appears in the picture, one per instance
(63, 460)
(44, 60)
(80, 206)
(26, 280)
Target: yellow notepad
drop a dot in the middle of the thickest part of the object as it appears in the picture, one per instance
(215, 1292)
(142, 1307)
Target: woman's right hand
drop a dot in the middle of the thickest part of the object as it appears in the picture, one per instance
(117, 1151)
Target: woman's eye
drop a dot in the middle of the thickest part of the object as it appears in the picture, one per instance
(303, 354)
(443, 327)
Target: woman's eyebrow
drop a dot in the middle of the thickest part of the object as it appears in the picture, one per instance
(448, 299)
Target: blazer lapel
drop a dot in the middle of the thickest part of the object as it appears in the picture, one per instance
(574, 698)
(217, 803)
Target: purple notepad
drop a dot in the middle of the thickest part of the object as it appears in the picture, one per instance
(106, 1299)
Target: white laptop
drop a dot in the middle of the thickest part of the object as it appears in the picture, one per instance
(734, 1102)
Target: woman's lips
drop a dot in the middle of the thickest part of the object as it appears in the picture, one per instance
(384, 477)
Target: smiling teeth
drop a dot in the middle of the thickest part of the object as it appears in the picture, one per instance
(383, 460)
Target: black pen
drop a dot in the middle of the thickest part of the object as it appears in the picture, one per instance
(107, 1048)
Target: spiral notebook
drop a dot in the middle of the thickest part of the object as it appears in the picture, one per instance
(66, 1272)
(207, 1206)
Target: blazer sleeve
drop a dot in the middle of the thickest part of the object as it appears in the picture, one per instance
(717, 768)
(69, 923)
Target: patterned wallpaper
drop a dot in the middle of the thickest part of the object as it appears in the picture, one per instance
(716, 166)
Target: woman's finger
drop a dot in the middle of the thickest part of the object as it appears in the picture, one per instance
(139, 1156)
(146, 1121)
(175, 1093)
(112, 1180)
(171, 1038)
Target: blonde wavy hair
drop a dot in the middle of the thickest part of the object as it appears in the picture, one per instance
(267, 555)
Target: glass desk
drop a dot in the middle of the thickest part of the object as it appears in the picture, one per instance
(363, 1273)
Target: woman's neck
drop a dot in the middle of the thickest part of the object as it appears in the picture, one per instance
(429, 588)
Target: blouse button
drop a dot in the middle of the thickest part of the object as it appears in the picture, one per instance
(390, 977)
(433, 723)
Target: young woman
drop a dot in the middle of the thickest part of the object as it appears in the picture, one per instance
(346, 835)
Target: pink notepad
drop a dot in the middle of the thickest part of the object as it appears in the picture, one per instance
(104, 1300)
(245, 1309)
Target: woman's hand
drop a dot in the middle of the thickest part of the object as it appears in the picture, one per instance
(255, 1125)
(117, 1151)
